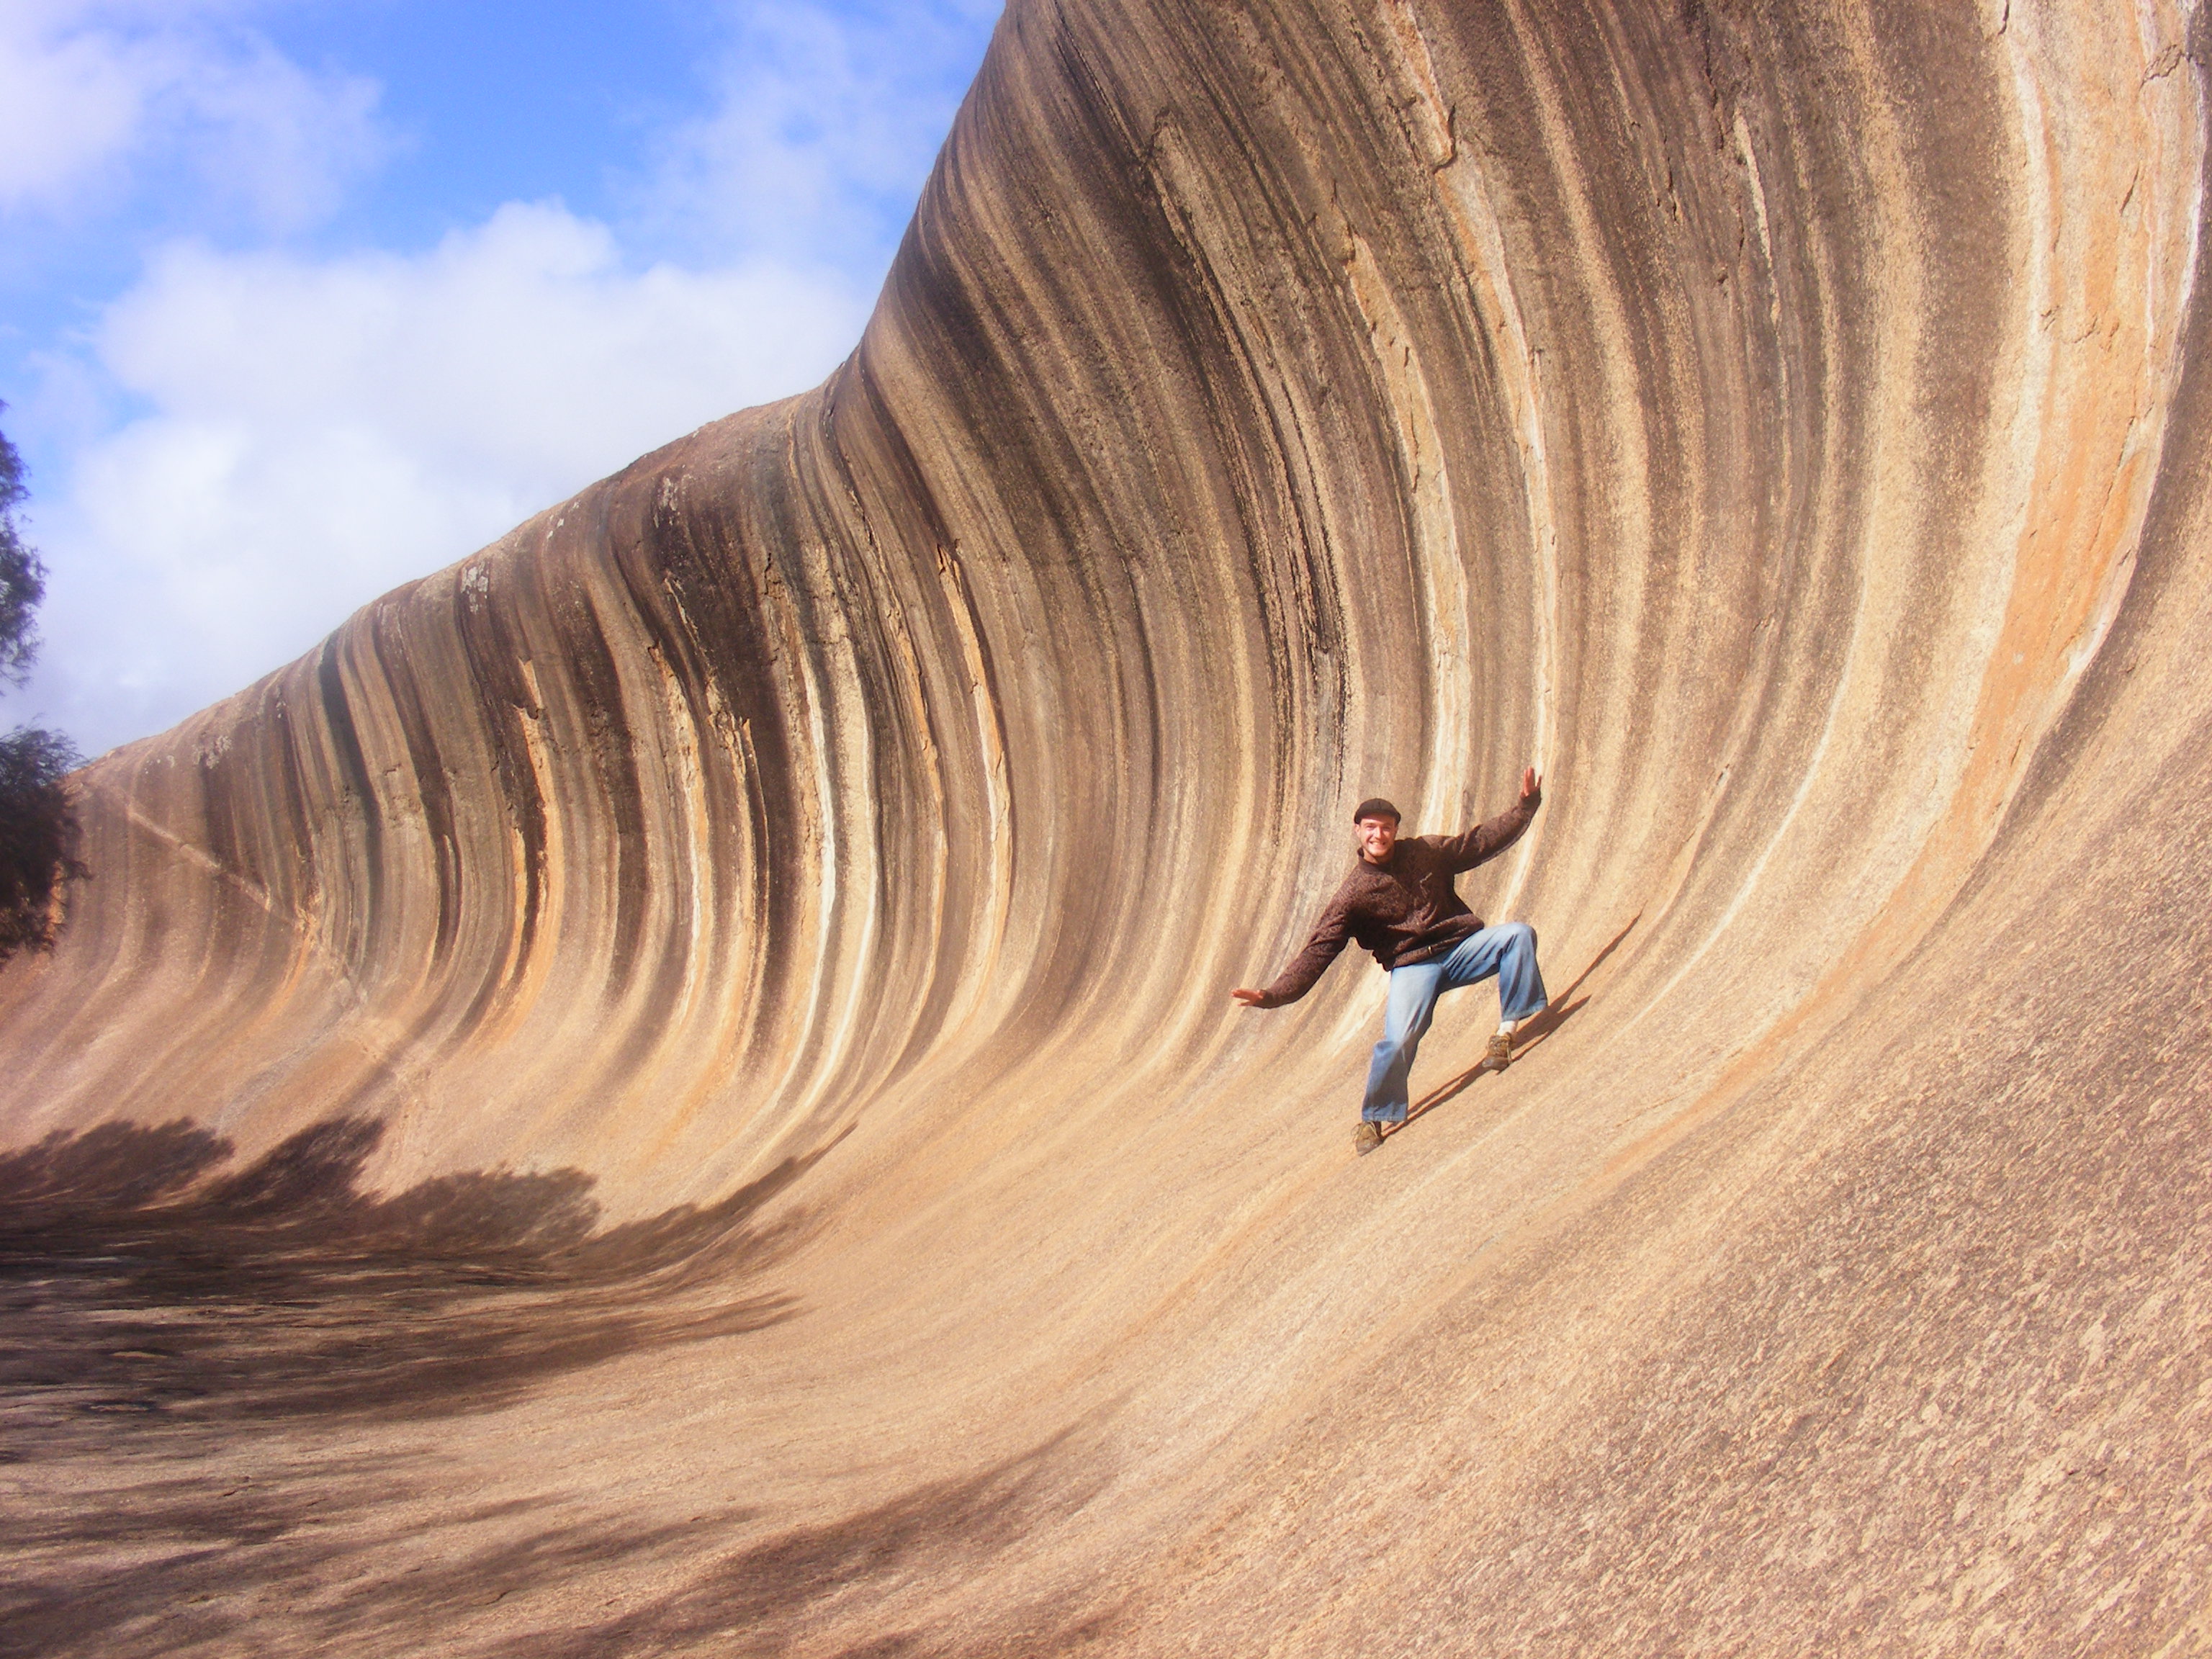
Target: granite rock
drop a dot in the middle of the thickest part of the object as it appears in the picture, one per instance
(1784, 425)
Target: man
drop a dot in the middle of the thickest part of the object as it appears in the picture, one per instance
(1400, 903)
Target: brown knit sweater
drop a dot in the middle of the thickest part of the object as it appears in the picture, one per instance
(1407, 909)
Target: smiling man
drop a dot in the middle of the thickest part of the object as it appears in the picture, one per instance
(1401, 904)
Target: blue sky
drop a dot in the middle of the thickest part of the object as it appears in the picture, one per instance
(301, 298)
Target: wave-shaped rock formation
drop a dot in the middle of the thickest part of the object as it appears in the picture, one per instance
(672, 1086)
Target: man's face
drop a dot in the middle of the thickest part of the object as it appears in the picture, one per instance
(1377, 837)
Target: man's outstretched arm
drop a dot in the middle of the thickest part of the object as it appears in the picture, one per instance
(1494, 836)
(1295, 980)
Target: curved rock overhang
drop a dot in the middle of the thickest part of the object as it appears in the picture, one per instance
(1784, 426)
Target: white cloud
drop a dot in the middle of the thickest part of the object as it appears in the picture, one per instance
(324, 430)
(102, 100)
(826, 119)
(247, 445)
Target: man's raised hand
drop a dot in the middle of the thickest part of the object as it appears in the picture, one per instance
(1529, 783)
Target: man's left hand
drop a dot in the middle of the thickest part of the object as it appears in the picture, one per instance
(1530, 783)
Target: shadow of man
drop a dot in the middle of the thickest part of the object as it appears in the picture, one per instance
(1563, 1008)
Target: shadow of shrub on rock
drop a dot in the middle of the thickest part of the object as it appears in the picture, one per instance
(140, 1279)
(178, 1564)
(792, 1587)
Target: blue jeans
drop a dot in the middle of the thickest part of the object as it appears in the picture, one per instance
(1508, 950)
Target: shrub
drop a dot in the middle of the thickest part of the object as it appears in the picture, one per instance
(37, 819)
(37, 836)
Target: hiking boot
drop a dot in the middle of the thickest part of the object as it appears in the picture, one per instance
(1366, 1138)
(1499, 1054)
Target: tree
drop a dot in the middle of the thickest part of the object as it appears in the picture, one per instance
(37, 819)
(38, 836)
(22, 578)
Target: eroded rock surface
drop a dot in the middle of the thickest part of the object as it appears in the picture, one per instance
(716, 1006)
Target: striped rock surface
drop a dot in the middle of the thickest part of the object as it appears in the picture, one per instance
(672, 1087)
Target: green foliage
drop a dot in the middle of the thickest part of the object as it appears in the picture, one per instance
(22, 578)
(38, 821)
(38, 836)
